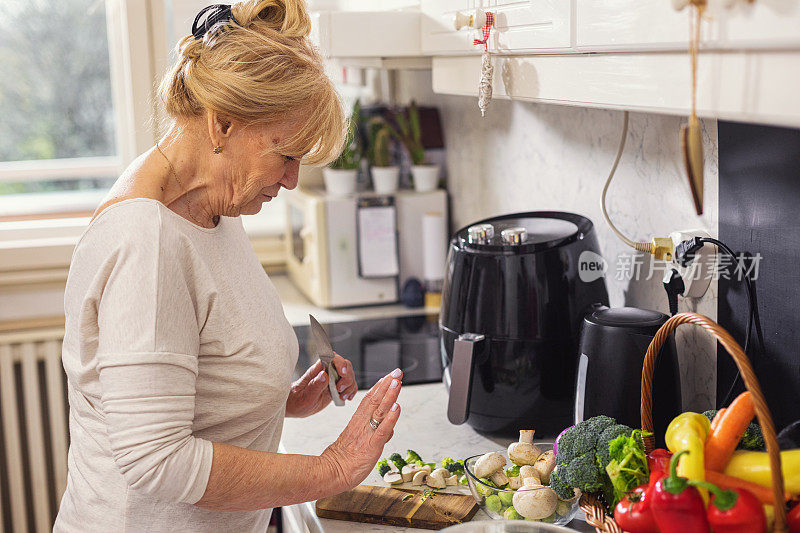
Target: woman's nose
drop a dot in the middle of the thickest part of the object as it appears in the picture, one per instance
(290, 175)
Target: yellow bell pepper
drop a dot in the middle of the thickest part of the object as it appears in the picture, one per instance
(754, 467)
(688, 431)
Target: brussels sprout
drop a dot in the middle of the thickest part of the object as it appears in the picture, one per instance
(493, 503)
(512, 514)
(507, 498)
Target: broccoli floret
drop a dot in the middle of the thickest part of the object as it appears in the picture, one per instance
(710, 414)
(582, 473)
(752, 439)
(453, 466)
(562, 489)
(413, 457)
(600, 423)
(609, 434)
(383, 467)
(398, 461)
(575, 442)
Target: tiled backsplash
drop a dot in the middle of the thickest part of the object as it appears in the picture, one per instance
(527, 157)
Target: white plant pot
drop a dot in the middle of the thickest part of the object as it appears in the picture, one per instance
(426, 177)
(385, 179)
(340, 182)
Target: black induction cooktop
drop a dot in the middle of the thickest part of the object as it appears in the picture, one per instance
(378, 346)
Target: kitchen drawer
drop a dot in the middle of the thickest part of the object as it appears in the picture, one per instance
(527, 25)
(635, 25)
(765, 23)
(439, 35)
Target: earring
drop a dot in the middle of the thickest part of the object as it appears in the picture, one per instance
(218, 149)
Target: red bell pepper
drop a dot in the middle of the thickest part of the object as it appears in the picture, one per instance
(633, 512)
(794, 519)
(658, 459)
(734, 511)
(677, 506)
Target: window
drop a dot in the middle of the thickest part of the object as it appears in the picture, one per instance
(58, 154)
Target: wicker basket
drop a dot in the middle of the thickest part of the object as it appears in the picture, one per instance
(593, 507)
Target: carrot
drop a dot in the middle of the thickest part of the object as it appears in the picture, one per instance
(722, 441)
(723, 481)
(717, 418)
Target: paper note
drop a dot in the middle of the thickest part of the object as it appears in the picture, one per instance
(377, 242)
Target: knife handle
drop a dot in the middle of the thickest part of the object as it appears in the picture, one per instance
(333, 377)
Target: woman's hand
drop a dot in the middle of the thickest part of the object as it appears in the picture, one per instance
(310, 394)
(358, 448)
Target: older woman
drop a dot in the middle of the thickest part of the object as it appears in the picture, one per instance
(177, 351)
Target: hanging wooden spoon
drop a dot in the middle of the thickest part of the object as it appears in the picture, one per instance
(691, 133)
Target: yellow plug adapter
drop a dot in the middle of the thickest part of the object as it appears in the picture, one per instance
(662, 248)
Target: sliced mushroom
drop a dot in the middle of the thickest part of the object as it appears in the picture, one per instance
(420, 478)
(524, 452)
(488, 464)
(408, 472)
(544, 466)
(452, 480)
(393, 467)
(499, 478)
(535, 502)
(438, 478)
(393, 477)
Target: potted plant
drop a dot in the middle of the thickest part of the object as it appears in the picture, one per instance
(385, 176)
(426, 176)
(340, 176)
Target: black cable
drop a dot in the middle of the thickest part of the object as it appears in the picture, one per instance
(753, 316)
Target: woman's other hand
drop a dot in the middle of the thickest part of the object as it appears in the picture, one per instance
(359, 446)
(310, 394)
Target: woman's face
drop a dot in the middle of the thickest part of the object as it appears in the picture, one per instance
(256, 170)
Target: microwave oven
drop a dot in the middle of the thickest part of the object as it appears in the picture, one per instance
(323, 236)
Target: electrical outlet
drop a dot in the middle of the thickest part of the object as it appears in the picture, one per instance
(696, 276)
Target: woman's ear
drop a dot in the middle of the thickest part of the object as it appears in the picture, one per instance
(220, 127)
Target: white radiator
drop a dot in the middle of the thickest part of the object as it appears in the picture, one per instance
(33, 429)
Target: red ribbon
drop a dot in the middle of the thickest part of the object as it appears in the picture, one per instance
(486, 29)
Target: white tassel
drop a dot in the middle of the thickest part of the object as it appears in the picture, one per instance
(485, 87)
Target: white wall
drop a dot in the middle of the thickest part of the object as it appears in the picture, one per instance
(525, 157)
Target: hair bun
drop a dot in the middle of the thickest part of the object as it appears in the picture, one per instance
(189, 48)
(289, 17)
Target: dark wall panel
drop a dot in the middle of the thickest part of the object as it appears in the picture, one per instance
(759, 196)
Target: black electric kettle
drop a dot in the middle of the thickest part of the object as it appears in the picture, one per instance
(613, 345)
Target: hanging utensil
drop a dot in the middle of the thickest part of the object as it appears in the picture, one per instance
(692, 133)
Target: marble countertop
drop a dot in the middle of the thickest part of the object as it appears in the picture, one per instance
(423, 427)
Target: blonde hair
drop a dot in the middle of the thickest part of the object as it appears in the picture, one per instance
(260, 68)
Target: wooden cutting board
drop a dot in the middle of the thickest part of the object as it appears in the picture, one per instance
(385, 505)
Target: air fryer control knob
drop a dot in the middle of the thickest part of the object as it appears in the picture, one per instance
(480, 233)
(514, 235)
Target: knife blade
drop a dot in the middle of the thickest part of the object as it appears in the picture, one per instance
(319, 346)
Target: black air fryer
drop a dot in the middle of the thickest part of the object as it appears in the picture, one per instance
(613, 345)
(512, 306)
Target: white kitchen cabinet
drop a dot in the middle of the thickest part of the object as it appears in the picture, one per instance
(367, 33)
(530, 25)
(763, 24)
(635, 24)
(439, 35)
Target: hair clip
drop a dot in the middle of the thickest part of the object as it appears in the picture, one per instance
(215, 14)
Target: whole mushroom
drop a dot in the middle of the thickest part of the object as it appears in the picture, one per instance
(535, 502)
(524, 452)
(488, 464)
(544, 466)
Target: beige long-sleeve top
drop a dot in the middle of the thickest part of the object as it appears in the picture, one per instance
(175, 338)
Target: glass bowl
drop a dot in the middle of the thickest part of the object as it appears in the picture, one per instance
(498, 503)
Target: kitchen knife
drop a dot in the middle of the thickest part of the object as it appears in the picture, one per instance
(319, 346)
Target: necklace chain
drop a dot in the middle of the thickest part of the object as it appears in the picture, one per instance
(175, 174)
